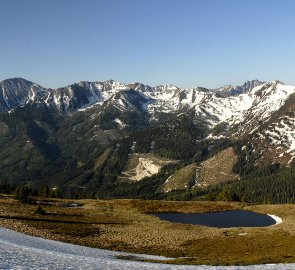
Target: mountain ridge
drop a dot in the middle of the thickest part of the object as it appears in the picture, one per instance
(95, 91)
(67, 129)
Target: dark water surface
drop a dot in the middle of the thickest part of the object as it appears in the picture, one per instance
(223, 219)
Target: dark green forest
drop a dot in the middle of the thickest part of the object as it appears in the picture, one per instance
(51, 155)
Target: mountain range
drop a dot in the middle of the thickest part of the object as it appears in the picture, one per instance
(101, 135)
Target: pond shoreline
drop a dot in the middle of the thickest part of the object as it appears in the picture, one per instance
(129, 226)
(223, 219)
(277, 219)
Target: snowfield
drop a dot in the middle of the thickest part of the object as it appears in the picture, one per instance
(20, 251)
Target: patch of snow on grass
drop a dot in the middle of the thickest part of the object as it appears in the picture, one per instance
(277, 219)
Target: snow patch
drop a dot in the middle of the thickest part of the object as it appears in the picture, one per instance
(120, 123)
(277, 219)
(20, 251)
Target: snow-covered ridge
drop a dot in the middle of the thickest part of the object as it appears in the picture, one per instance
(252, 102)
(257, 103)
(17, 92)
(231, 90)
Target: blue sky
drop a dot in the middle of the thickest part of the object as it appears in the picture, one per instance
(183, 42)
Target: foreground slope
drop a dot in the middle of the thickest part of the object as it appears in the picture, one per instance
(129, 226)
(20, 251)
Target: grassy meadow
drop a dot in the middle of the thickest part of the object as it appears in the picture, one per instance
(128, 225)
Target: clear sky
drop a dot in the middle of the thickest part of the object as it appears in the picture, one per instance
(183, 42)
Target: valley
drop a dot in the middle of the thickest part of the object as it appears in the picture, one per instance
(115, 140)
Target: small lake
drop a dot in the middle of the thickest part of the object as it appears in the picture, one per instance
(222, 219)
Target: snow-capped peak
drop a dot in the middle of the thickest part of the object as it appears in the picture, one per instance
(17, 92)
(254, 99)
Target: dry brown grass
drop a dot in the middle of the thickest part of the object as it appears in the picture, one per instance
(180, 179)
(218, 168)
(102, 158)
(127, 225)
